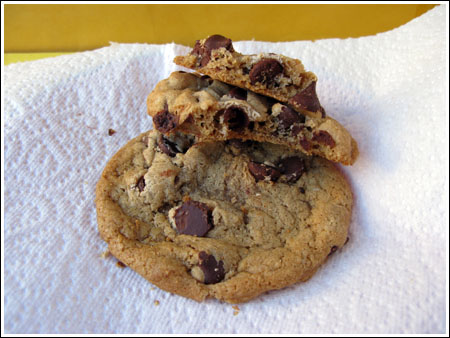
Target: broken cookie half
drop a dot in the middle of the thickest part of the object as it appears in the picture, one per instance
(215, 111)
(280, 77)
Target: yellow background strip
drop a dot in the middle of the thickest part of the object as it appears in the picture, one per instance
(74, 27)
(20, 57)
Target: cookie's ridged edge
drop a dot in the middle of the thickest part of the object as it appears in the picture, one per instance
(336, 211)
(144, 259)
(170, 275)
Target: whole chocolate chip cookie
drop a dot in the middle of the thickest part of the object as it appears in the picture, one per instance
(215, 111)
(274, 75)
(229, 220)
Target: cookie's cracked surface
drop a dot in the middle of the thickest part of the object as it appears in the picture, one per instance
(228, 220)
(215, 111)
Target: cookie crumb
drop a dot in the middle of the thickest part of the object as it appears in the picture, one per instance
(152, 288)
(156, 302)
(111, 132)
(236, 310)
(105, 254)
(120, 264)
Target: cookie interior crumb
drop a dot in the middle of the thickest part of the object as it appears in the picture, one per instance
(236, 310)
(105, 254)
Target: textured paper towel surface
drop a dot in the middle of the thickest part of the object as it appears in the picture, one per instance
(388, 90)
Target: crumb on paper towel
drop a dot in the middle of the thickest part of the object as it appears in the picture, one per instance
(120, 264)
(105, 254)
(236, 310)
(111, 132)
(156, 302)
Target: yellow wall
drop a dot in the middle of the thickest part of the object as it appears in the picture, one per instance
(50, 28)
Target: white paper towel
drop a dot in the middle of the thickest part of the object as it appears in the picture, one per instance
(388, 90)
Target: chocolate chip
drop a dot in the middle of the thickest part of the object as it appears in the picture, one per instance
(324, 137)
(238, 93)
(292, 167)
(296, 130)
(193, 218)
(165, 121)
(288, 117)
(305, 144)
(213, 42)
(235, 118)
(141, 183)
(307, 99)
(120, 264)
(213, 271)
(265, 71)
(217, 41)
(333, 250)
(199, 50)
(111, 132)
(261, 171)
(167, 147)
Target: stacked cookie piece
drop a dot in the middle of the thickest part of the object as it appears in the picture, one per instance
(233, 193)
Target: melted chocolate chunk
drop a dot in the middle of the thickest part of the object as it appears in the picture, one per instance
(288, 117)
(167, 147)
(296, 130)
(217, 41)
(261, 171)
(265, 71)
(165, 121)
(292, 167)
(305, 144)
(141, 183)
(213, 271)
(307, 99)
(211, 43)
(324, 137)
(193, 218)
(238, 93)
(235, 118)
